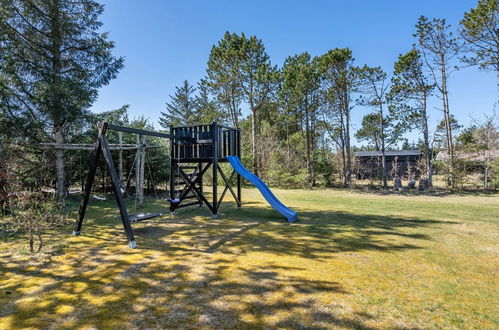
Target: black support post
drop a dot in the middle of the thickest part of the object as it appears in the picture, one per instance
(238, 153)
(214, 132)
(200, 168)
(117, 192)
(172, 173)
(90, 181)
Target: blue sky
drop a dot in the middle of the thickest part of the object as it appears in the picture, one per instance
(166, 42)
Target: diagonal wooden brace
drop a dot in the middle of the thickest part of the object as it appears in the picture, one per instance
(228, 187)
(192, 186)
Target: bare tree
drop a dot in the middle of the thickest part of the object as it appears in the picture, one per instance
(486, 136)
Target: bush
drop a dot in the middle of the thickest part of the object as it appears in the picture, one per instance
(31, 214)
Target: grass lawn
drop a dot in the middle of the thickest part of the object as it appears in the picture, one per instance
(353, 260)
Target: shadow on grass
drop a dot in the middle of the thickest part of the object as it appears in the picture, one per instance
(185, 272)
(436, 192)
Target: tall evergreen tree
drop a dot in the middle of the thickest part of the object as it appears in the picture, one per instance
(208, 109)
(182, 108)
(300, 89)
(380, 127)
(439, 47)
(56, 60)
(410, 83)
(258, 79)
(338, 76)
(480, 30)
(222, 75)
(239, 69)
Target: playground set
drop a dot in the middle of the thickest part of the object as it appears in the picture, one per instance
(193, 151)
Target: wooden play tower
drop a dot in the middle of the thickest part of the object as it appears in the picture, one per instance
(193, 151)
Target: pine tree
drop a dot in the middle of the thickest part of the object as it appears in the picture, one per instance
(479, 29)
(239, 69)
(182, 108)
(301, 92)
(382, 126)
(208, 110)
(438, 47)
(55, 60)
(410, 85)
(222, 75)
(339, 82)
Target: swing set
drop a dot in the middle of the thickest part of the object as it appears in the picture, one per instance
(193, 151)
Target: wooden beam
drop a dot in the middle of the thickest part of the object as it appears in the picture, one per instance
(90, 181)
(138, 131)
(86, 146)
(120, 159)
(117, 192)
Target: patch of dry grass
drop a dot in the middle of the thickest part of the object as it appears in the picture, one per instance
(354, 260)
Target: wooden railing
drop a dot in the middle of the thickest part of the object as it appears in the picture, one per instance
(202, 142)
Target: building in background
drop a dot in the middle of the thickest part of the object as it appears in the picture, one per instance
(404, 164)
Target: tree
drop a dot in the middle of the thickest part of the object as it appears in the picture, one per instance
(208, 109)
(339, 82)
(182, 108)
(486, 136)
(239, 69)
(410, 83)
(258, 81)
(300, 96)
(55, 61)
(438, 46)
(380, 127)
(222, 75)
(440, 137)
(480, 31)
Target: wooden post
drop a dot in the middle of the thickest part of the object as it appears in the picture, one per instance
(142, 169)
(409, 172)
(120, 158)
(238, 150)
(172, 172)
(117, 192)
(200, 169)
(94, 159)
(214, 132)
(139, 189)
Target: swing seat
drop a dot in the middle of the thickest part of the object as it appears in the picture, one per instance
(174, 201)
(99, 198)
(143, 216)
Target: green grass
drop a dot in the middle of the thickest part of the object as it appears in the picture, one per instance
(353, 260)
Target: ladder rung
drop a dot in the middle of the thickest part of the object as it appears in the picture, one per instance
(191, 197)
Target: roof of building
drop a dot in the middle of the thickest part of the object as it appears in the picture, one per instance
(388, 153)
(477, 155)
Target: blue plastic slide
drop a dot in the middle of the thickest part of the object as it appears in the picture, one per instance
(257, 182)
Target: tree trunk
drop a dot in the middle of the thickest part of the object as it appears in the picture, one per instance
(307, 142)
(253, 142)
(347, 140)
(59, 167)
(233, 111)
(448, 124)
(383, 156)
(56, 100)
(486, 172)
(313, 147)
(428, 160)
